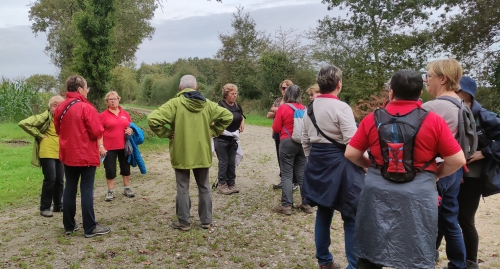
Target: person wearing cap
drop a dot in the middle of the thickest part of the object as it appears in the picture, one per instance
(482, 167)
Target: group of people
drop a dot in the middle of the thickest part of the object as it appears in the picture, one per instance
(384, 177)
(71, 140)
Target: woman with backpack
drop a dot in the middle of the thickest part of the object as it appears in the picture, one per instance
(291, 155)
(482, 178)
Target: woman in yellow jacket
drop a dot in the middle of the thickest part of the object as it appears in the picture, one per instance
(46, 155)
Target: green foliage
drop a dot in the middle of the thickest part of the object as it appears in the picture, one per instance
(123, 81)
(18, 100)
(146, 88)
(46, 83)
(164, 69)
(488, 98)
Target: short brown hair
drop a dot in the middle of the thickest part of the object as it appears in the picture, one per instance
(75, 82)
(226, 89)
(449, 68)
(287, 82)
(313, 89)
(328, 78)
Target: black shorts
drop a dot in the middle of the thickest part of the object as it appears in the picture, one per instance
(110, 163)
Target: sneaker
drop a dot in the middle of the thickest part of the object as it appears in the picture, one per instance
(224, 189)
(46, 213)
(277, 186)
(180, 226)
(109, 196)
(98, 230)
(57, 209)
(472, 265)
(205, 226)
(330, 265)
(74, 229)
(128, 192)
(286, 210)
(306, 208)
(233, 189)
(295, 187)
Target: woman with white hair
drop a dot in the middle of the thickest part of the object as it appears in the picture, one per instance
(46, 155)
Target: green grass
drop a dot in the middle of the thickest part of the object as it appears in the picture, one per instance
(20, 182)
(258, 120)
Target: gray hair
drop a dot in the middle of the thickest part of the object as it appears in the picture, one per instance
(55, 98)
(188, 81)
(293, 94)
(328, 78)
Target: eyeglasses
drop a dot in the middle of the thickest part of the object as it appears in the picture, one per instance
(233, 93)
(112, 99)
(283, 88)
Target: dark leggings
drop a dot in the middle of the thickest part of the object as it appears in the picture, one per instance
(468, 201)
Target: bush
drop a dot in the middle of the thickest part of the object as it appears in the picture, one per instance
(18, 100)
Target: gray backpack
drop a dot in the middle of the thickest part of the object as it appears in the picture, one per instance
(466, 135)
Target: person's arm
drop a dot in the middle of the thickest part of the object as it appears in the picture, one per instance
(30, 125)
(242, 125)
(490, 122)
(278, 123)
(221, 118)
(92, 122)
(451, 164)
(306, 140)
(102, 149)
(357, 157)
(161, 119)
(272, 111)
(347, 124)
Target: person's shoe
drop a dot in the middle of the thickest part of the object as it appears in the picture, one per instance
(98, 230)
(74, 229)
(224, 189)
(109, 196)
(286, 210)
(472, 265)
(295, 187)
(330, 265)
(57, 209)
(205, 226)
(306, 208)
(180, 226)
(128, 192)
(277, 186)
(46, 213)
(233, 189)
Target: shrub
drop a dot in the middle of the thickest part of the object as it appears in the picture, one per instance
(18, 100)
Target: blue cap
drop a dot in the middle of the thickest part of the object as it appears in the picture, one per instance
(468, 85)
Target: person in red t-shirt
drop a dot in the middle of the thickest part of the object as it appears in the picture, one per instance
(292, 158)
(396, 219)
(116, 123)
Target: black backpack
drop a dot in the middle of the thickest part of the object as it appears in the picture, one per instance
(397, 142)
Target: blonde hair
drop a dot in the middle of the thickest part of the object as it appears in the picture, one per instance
(112, 93)
(55, 98)
(449, 68)
(226, 89)
(313, 89)
(287, 82)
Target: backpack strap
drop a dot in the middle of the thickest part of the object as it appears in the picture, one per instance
(451, 99)
(66, 109)
(292, 106)
(294, 109)
(310, 112)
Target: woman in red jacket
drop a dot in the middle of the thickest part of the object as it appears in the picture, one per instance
(292, 158)
(78, 126)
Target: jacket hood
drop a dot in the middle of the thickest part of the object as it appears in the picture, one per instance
(475, 107)
(193, 100)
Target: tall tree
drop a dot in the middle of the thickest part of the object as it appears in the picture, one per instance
(46, 83)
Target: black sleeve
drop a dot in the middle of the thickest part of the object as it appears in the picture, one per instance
(490, 122)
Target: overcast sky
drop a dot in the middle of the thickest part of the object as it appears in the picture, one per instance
(184, 28)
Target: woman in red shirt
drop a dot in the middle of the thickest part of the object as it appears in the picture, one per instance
(292, 158)
(116, 123)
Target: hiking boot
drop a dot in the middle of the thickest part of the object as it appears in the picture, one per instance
(109, 196)
(330, 265)
(205, 226)
(306, 208)
(46, 213)
(73, 230)
(277, 186)
(224, 189)
(180, 226)
(295, 187)
(128, 192)
(286, 210)
(472, 265)
(233, 189)
(57, 209)
(98, 230)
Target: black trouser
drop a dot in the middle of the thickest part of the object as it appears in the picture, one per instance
(276, 138)
(366, 264)
(53, 183)
(226, 153)
(110, 163)
(468, 201)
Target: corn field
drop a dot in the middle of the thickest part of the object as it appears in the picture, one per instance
(18, 100)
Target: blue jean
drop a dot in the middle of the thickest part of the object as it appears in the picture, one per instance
(324, 217)
(73, 174)
(53, 183)
(448, 188)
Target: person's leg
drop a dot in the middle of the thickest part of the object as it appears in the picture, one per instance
(287, 159)
(49, 179)
(58, 186)
(276, 138)
(69, 196)
(448, 220)
(110, 168)
(204, 195)
(222, 148)
(182, 200)
(231, 166)
(299, 166)
(322, 239)
(125, 173)
(468, 201)
(366, 264)
(349, 227)
(87, 198)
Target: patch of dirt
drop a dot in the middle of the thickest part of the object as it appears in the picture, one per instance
(245, 233)
(16, 143)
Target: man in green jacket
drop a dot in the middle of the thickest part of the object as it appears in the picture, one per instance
(194, 120)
